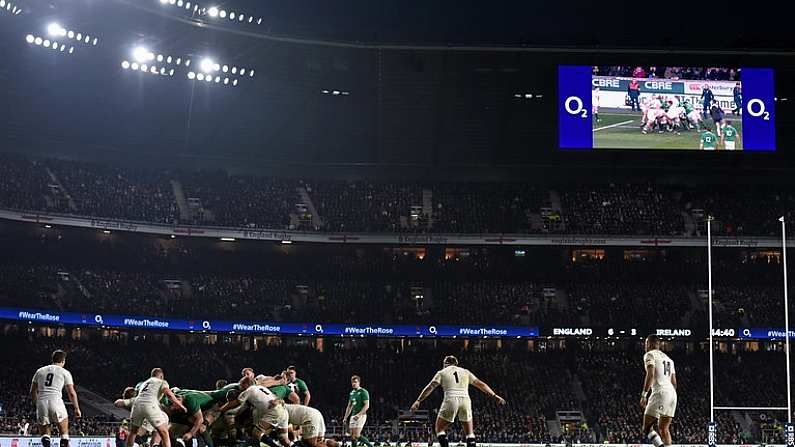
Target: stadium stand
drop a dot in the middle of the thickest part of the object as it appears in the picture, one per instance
(220, 199)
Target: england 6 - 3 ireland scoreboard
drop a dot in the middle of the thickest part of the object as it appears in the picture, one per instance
(661, 108)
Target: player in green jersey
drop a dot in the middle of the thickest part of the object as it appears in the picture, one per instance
(283, 392)
(693, 117)
(298, 386)
(358, 404)
(664, 104)
(729, 136)
(222, 427)
(709, 140)
(186, 425)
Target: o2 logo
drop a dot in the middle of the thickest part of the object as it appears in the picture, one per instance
(756, 108)
(575, 106)
(790, 434)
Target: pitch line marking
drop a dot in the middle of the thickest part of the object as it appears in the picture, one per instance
(613, 125)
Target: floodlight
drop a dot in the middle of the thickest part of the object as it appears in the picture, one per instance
(207, 65)
(191, 75)
(213, 11)
(125, 65)
(29, 38)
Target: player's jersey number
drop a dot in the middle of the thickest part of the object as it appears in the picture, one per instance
(48, 380)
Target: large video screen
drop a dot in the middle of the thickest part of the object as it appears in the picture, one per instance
(687, 108)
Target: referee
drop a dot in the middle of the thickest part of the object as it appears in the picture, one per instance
(737, 92)
(706, 100)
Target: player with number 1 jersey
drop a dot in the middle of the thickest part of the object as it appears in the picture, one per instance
(456, 404)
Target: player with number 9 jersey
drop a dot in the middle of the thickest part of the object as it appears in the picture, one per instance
(46, 389)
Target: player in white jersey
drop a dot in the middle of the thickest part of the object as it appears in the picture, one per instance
(46, 390)
(311, 424)
(595, 103)
(653, 113)
(126, 402)
(147, 407)
(268, 410)
(675, 112)
(456, 404)
(659, 406)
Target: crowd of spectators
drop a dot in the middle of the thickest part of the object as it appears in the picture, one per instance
(486, 207)
(246, 201)
(368, 206)
(610, 301)
(122, 193)
(387, 289)
(633, 209)
(673, 73)
(599, 378)
(241, 200)
(24, 185)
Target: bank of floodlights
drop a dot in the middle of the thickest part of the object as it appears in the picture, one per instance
(56, 31)
(188, 6)
(335, 92)
(214, 12)
(210, 71)
(7, 7)
(58, 38)
(45, 42)
(146, 61)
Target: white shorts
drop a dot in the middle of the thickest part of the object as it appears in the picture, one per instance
(674, 113)
(315, 428)
(357, 422)
(148, 413)
(274, 417)
(456, 408)
(730, 145)
(50, 411)
(694, 116)
(661, 403)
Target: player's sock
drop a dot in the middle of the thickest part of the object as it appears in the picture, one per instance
(366, 441)
(654, 438)
(45, 441)
(442, 437)
(471, 441)
(65, 440)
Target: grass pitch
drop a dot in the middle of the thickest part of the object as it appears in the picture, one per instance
(618, 129)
